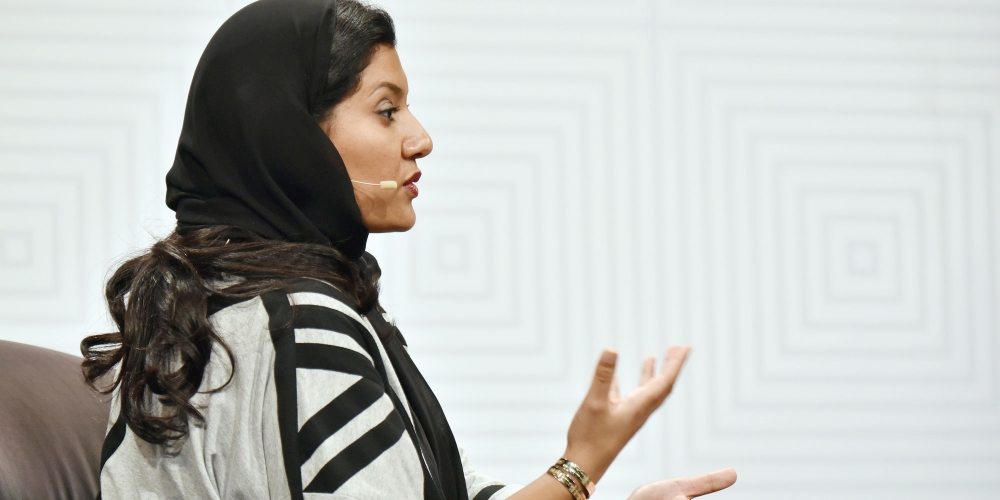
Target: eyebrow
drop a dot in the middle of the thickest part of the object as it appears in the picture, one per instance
(389, 85)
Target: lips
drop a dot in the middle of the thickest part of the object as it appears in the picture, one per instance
(411, 184)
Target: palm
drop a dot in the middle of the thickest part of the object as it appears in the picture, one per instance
(685, 488)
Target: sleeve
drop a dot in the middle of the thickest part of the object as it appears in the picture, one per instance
(483, 487)
(342, 432)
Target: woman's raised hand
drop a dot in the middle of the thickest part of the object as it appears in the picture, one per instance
(685, 488)
(606, 421)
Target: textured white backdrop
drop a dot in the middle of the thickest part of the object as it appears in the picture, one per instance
(805, 190)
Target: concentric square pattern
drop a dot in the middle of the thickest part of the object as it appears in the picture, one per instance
(848, 233)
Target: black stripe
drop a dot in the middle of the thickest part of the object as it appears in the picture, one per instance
(372, 348)
(217, 303)
(334, 358)
(336, 414)
(487, 492)
(325, 318)
(114, 439)
(279, 313)
(357, 455)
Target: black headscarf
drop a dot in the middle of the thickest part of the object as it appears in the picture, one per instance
(251, 153)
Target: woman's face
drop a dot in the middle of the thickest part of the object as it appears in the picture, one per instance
(380, 140)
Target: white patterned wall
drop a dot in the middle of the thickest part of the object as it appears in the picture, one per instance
(808, 191)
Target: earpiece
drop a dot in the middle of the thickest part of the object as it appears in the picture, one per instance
(383, 184)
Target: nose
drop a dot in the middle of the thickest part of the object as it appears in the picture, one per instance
(418, 144)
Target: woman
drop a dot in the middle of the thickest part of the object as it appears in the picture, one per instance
(252, 358)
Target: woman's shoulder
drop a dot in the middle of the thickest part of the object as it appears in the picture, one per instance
(311, 291)
(312, 304)
(294, 304)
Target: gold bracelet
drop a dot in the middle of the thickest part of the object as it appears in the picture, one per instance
(572, 468)
(568, 482)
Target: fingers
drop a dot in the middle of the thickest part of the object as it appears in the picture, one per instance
(654, 390)
(676, 355)
(708, 483)
(648, 368)
(600, 388)
(661, 386)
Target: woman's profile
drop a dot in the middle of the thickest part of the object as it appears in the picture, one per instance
(252, 358)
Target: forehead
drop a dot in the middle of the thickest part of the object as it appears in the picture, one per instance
(384, 71)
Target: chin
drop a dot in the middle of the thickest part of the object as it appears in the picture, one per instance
(395, 226)
(402, 228)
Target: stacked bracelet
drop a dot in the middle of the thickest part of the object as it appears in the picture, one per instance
(567, 481)
(573, 478)
(572, 468)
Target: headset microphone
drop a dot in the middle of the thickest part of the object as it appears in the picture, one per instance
(383, 184)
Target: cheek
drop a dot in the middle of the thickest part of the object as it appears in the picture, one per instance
(370, 156)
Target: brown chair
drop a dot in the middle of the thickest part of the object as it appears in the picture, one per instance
(52, 426)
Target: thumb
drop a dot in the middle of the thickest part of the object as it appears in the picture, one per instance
(709, 483)
(604, 376)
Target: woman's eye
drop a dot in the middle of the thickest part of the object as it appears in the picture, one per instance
(388, 113)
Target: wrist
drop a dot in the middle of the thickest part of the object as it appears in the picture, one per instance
(590, 462)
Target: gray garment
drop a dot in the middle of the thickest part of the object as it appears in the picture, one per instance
(237, 452)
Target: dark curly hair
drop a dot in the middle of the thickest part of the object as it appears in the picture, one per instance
(160, 300)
